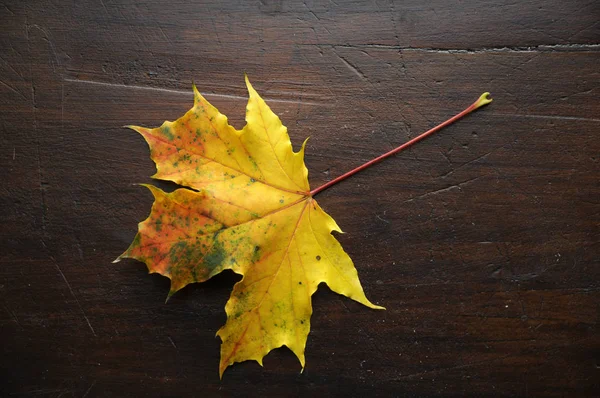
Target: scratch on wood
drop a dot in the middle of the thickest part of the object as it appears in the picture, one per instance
(14, 90)
(45, 391)
(74, 296)
(164, 35)
(311, 11)
(104, 6)
(187, 93)
(345, 306)
(443, 189)
(9, 66)
(522, 49)
(467, 365)
(8, 9)
(89, 389)
(485, 155)
(554, 117)
(382, 219)
(48, 39)
(62, 105)
(13, 315)
(350, 66)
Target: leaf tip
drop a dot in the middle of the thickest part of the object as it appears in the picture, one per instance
(303, 147)
(251, 90)
(483, 100)
(197, 95)
(156, 192)
(171, 293)
(222, 367)
(132, 127)
(369, 304)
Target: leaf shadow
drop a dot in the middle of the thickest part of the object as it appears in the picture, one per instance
(168, 186)
(220, 284)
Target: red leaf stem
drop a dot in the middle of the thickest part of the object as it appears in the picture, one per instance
(483, 100)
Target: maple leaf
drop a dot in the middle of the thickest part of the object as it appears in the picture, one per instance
(249, 208)
(251, 211)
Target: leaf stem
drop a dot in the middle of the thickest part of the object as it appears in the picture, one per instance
(484, 99)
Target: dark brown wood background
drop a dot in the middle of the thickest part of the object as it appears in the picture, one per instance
(482, 241)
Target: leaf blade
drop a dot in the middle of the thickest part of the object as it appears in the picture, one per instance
(251, 212)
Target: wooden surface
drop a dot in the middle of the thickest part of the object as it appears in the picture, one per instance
(482, 241)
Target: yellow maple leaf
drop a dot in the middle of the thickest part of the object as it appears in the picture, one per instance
(251, 211)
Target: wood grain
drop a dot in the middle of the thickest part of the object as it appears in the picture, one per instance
(482, 241)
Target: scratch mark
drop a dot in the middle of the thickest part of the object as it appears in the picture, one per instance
(164, 35)
(353, 68)
(443, 189)
(13, 69)
(172, 342)
(445, 156)
(555, 117)
(392, 12)
(311, 11)
(384, 220)
(467, 365)
(485, 155)
(14, 316)
(524, 49)
(14, 153)
(46, 38)
(62, 105)
(46, 391)
(8, 9)
(79, 249)
(35, 125)
(14, 90)
(104, 6)
(93, 384)
(212, 21)
(344, 305)
(74, 296)
(188, 93)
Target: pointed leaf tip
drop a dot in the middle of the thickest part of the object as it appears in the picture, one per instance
(303, 147)
(197, 94)
(171, 293)
(251, 91)
(137, 129)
